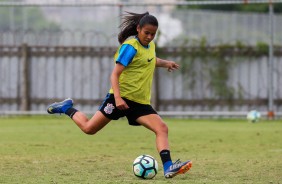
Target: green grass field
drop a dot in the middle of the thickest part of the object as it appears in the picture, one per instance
(52, 149)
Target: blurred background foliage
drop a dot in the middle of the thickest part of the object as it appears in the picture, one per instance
(258, 8)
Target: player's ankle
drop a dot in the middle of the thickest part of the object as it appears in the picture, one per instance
(70, 112)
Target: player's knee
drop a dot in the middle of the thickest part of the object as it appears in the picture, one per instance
(89, 131)
(163, 128)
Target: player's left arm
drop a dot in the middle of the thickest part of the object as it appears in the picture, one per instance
(170, 65)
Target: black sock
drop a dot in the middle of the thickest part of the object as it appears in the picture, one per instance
(71, 111)
(165, 156)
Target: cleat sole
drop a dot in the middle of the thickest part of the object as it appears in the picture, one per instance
(183, 169)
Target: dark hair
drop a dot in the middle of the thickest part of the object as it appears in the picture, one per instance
(130, 23)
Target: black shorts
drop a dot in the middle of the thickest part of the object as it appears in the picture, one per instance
(136, 110)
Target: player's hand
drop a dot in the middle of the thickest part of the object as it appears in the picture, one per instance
(172, 66)
(121, 104)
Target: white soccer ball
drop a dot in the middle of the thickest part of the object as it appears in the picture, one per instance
(253, 116)
(145, 167)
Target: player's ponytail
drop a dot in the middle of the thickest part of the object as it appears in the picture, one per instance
(131, 21)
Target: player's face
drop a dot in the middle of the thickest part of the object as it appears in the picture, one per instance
(146, 33)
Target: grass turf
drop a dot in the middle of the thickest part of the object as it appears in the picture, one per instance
(52, 149)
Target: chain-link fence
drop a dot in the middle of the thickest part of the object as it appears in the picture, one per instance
(68, 53)
(97, 24)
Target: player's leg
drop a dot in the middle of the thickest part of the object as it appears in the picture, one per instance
(155, 123)
(88, 126)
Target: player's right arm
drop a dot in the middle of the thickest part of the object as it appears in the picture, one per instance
(120, 103)
(124, 58)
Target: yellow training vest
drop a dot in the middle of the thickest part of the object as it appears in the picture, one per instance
(135, 81)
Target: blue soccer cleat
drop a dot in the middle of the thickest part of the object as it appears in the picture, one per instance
(178, 167)
(60, 107)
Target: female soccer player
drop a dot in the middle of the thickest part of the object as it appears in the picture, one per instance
(130, 94)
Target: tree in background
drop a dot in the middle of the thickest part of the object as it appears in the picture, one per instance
(20, 18)
(259, 8)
